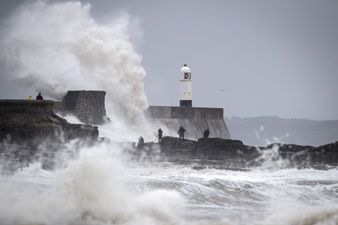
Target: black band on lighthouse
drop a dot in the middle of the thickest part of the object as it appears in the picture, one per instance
(185, 103)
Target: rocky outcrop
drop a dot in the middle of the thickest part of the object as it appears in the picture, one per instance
(235, 151)
(217, 148)
(207, 148)
(322, 154)
(327, 153)
(176, 146)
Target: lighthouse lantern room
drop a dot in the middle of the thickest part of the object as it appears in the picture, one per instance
(186, 89)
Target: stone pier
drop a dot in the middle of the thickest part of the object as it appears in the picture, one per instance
(194, 119)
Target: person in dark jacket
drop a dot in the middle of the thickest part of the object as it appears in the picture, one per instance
(206, 133)
(140, 143)
(159, 135)
(180, 132)
(39, 96)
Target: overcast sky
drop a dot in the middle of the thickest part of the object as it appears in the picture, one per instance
(253, 58)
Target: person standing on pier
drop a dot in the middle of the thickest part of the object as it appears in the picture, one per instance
(206, 133)
(159, 135)
(39, 96)
(180, 132)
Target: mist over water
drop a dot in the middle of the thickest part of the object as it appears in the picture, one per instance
(54, 47)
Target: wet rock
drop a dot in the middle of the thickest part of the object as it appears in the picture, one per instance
(176, 146)
(325, 153)
(217, 148)
(234, 151)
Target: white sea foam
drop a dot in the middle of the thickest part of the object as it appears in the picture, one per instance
(101, 187)
(93, 189)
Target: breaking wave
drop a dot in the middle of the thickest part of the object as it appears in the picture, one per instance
(55, 47)
(103, 185)
(93, 189)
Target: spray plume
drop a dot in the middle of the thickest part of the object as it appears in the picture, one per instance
(55, 47)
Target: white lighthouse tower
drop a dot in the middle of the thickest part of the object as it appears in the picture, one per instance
(186, 90)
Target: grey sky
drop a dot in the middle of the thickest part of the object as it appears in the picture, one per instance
(262, 57)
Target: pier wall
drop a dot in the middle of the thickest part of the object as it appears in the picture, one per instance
(87, 106)
(194, 119)
(35, 121)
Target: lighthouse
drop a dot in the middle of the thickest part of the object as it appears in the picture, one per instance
(186, 90)
(194, 119)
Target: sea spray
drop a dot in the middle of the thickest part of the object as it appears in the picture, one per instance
(57, 46)
(95, 188)
(54, 47)
(99, 186)
(270, 159)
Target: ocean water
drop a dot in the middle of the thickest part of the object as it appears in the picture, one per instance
(103, 185)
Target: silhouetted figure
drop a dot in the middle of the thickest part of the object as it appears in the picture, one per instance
(39, 96)
(206, 133)
(140, 142)
(159, 135)
(180, 132)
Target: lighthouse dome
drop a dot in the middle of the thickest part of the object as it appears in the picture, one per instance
(186, 72)
(185, 69)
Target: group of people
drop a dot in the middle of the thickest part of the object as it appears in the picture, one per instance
(180, 133)
(38, 97)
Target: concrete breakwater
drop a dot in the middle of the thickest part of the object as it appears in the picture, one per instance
(87, 106)
(31, 131)
(33, 120)
(194, 119)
